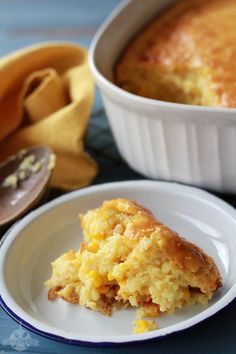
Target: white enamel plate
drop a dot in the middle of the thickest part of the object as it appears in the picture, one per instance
(30, 246)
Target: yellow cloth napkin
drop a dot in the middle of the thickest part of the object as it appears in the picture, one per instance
(46, 93)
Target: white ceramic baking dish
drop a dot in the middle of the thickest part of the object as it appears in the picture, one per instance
(186, 143)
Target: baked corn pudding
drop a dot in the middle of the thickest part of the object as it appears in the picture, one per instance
(128, 258)
(187, 54)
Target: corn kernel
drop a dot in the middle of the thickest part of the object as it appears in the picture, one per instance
(142, 326)
(96, 236)
(92, 246)
(110, 276)
(96, 277)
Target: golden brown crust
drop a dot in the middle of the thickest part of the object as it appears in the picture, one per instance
(56, 292)
(190, 36)
(53, 292)
(190, 258)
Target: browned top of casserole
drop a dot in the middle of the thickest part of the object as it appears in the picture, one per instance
(187, 54)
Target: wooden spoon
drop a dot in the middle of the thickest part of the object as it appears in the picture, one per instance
(24, 179)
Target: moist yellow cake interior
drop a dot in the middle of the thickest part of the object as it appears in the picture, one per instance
(128, 258)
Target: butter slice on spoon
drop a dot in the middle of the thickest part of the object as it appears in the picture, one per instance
(24, 179)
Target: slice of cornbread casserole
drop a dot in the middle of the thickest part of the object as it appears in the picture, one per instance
(128, 258)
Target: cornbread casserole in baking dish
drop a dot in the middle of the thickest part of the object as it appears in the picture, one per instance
(128, 258)
(187, 54)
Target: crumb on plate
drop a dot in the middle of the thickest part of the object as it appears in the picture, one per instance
(141, 326)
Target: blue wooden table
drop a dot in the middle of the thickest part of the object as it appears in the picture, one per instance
(24, 22)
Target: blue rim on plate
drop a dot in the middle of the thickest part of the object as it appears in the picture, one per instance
(148, 187)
